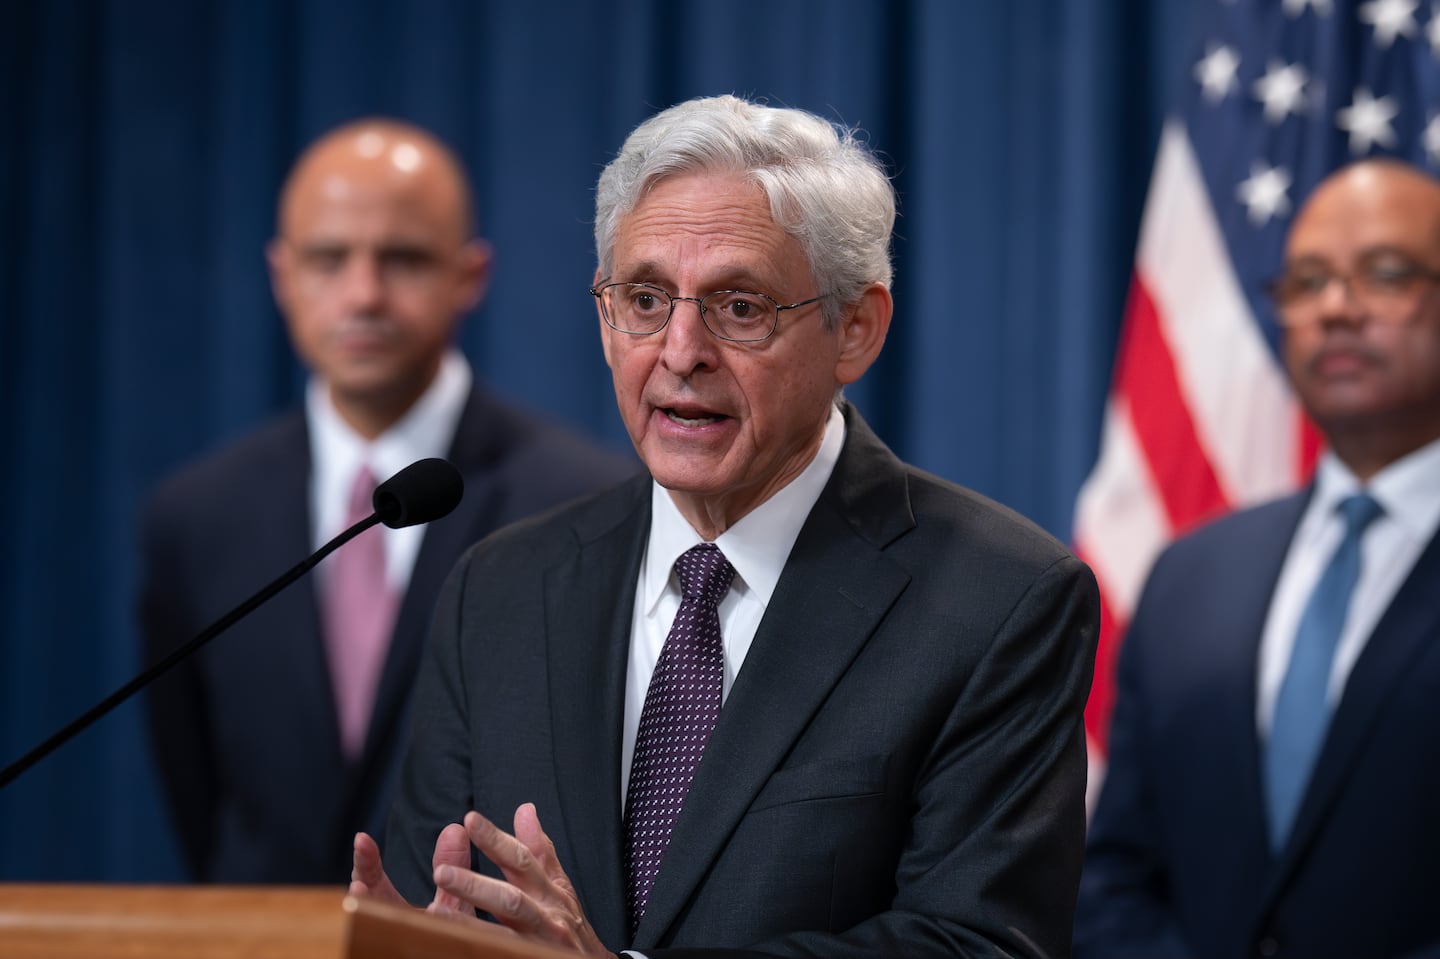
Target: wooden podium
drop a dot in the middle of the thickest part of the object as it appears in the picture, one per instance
(61, 921)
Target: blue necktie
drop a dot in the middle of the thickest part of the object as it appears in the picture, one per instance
(1302, 714)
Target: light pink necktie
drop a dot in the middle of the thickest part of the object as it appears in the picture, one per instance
(359, 612)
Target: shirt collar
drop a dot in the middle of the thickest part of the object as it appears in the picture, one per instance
(425, 430)
(758, 544)
(1408, 489)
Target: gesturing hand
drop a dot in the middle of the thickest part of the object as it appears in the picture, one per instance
(536, 899)
(368, 878)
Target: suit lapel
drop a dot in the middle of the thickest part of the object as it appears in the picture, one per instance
(589, 603)
(287, 510)
(1236, 642)
(317, 728)
(472, 452)
(835, 590)
(1409, 624)
(292, 641)
(442, 543)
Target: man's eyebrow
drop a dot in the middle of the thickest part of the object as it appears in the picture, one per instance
(409, 247)
(642, 272)
(1384, 249)
(321, 244)
(735, 278)
(744, 279)
(342, 244)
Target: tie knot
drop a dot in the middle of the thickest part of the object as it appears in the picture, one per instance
(704, 573)
(1358, 511)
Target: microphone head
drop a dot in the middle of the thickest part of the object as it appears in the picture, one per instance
(423, 491)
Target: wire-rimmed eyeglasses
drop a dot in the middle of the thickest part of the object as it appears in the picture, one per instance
(741, 316)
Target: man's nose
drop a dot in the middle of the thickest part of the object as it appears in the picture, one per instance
(689, 345)
(363, 283)
(1338, 299)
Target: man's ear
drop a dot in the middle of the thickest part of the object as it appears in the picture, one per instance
(476, 258)
(282, 263)
(862, 333)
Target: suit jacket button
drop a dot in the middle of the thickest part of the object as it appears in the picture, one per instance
(1269, 946)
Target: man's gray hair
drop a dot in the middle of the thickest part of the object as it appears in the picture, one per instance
(825, 188)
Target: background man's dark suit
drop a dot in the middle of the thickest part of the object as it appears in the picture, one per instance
(882, 759)
(246, 731)
(1179, 862)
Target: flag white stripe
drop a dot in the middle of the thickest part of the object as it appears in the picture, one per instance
(1245, 418)
(1120, 522)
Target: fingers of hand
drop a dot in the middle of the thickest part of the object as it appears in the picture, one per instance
(533, 836)
(367, 872)
(538, 899)
(452, 847)
(446, 902)
(505, 902)
(516, 861)
(366, 862)
(452, 907)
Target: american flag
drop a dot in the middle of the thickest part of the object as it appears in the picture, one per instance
(1200, 419)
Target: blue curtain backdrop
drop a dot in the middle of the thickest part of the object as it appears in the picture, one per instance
(142, 145)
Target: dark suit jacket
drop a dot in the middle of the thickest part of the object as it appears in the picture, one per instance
(1178, 862)
(898, 770)
(245, 732)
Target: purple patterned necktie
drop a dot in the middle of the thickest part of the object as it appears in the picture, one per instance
(681, 707)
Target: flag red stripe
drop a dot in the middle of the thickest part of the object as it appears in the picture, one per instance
(1311, 443)
(1146, 377)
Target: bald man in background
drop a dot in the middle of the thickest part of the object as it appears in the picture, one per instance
(278, 741)
(1272, 774)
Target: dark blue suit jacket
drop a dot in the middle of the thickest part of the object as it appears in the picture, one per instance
(245, 733)
(1178, 863)
(898, 770)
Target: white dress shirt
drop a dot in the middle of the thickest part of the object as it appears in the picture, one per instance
(337, 452)
(1409, 492)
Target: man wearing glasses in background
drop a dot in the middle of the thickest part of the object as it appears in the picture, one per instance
(786, 693)
(1274, 765)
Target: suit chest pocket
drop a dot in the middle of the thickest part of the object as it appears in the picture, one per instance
(827, 779)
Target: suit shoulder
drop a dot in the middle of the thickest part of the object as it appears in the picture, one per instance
(497, 436)
(1235, 534)
(977, 522)
(971, 559)
(1236, 555)
(549, 536)
(528, 462)
(234, 473)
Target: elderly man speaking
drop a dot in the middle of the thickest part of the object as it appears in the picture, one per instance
(786, 695)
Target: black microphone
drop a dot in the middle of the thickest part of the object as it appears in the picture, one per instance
(423, 491)
(420, 493)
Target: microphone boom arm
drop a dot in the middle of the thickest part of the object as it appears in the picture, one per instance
(148, 676)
